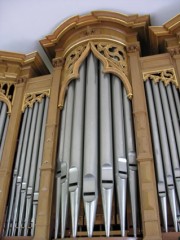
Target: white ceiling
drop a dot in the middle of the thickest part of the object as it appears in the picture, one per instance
(23, 22)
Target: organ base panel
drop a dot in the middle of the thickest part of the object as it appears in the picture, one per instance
(93, 148)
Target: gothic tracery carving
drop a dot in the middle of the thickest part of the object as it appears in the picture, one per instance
(166, 76)
(31, 98)
(112, 55)
(7, 90)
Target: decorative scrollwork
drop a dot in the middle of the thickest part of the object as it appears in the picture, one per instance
(31, 98)
(72, 59)
(112, 55)
(166, 76)
(7, 90)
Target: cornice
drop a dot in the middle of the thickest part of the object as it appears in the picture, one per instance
(159, 35)
(94, 23)
(16, 65)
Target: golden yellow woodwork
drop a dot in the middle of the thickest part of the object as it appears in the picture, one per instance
(112, 55)
(124, 46)
(31, 98)
(167, 76)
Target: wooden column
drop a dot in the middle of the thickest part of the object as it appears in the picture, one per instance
(43, 220)
(9, 149)
(146, 172)
(175, 54)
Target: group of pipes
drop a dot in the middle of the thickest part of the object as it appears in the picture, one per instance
(4, 120)
(23, 196)
(164, 113)
(96, 148)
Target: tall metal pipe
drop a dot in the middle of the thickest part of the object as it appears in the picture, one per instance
(171, 137)
(2, 119)
(66, 158)
(20, 172)
(26, 171)
(119, 149)
(4, 136)
(157, 154)
(165, 152)
(106, 148)
(39, 161)
(90, 170)
(32, 170)
(75, 170)
(174, 116)
(131, 156)
(176, 94)
(15, 172)
(58, 170)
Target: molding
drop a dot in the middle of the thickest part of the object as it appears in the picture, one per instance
(159, 34)
(97, 24)
(16, 65)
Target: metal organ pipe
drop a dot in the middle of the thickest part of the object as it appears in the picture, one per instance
(4, 135)
(39, 161)
(96, 127)
(106, 149)
(66, 158)
(171, 138)
(119, 149)
(75, 170)
(177, 99)
(24, 194)
(157, 154)
(3, 116)
(90, 171)
(20, 171)
(131, 156)
(165, 153)
(33, 165)
(15, 173)
(174, 116)
(58, 170)
(27, 167)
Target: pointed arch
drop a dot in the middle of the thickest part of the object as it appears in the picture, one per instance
(112, 55)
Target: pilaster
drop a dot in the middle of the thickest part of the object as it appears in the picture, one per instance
(43, 220)
(10, 148)
(175, 54)
(146, 172)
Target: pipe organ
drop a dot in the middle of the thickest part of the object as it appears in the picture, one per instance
(92, 148)
(163, 103)
(96, 150)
